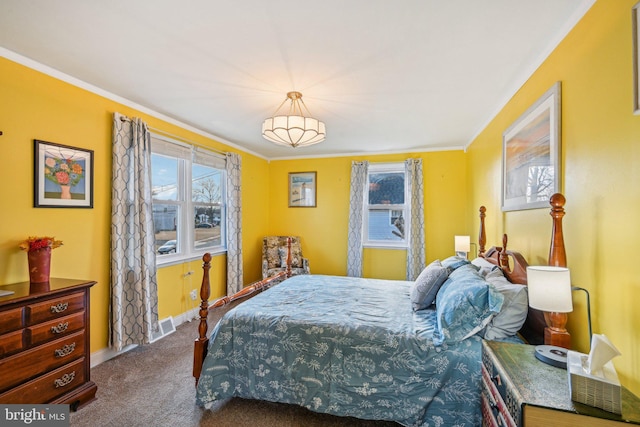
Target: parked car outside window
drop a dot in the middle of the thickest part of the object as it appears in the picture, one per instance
(168, 248)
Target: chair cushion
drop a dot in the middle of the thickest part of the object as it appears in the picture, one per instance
(296, 257)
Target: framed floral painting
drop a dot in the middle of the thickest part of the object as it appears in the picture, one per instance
(63, 176)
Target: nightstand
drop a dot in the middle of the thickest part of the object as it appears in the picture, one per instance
(520, 390)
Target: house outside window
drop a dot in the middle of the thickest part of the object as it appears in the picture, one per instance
(188, 200)
(386, 211)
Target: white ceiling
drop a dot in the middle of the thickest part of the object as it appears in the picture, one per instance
(385, 76)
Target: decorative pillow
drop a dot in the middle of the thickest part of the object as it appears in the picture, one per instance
(425, 287)
(464, 305)
(484, 266)
(514, 309)
(454, 262)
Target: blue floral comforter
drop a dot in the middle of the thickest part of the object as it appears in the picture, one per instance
(343, 346)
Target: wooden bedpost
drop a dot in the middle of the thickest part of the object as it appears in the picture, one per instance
(556, 333)
(288, 256)
(557, 253)
(482, 235)
(202, 343)
(504, 257)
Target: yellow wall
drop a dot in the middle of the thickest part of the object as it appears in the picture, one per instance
(601, 165)
(323, 230)
(37, 106)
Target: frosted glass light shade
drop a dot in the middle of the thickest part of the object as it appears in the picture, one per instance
(549, 288)
(293, 131)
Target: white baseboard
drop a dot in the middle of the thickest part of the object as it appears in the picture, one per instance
(105, 354)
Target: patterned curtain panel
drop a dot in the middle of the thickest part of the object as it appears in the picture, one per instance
(416, 253)
(134, 295)
(234, 224)
(356, 211)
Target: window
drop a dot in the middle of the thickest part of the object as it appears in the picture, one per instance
(188, 200)
(386, 214)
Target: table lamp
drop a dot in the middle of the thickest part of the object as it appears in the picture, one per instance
(550, 291)
(462, 245)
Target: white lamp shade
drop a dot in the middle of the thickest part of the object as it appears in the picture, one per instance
(549, 288)
(462, 243)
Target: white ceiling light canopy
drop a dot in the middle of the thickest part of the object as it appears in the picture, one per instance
(295, 129)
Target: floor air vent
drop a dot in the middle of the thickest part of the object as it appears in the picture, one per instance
(166, 327)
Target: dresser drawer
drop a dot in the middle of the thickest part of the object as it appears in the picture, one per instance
(11, 320)
(49, 386)
(11, 343)
(36, 361)
(55, 328)
(54, 308)
(494, 400)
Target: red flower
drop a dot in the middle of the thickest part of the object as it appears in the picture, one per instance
(35, 243)
(62, 177)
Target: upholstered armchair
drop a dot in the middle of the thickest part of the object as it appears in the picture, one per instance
(274, 256)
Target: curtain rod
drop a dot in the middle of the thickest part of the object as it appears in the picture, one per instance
(179, 138)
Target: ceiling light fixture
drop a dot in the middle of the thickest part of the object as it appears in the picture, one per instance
(295, 129)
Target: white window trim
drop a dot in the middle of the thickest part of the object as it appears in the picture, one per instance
(186, 153)
(405, 208)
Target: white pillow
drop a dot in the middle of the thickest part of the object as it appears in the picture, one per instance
(484, 266)
(514, 309)
(426, 286)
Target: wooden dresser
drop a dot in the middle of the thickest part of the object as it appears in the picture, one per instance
(520, 390)
(44, 343)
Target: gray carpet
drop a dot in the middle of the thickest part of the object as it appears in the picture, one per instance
(152, 386)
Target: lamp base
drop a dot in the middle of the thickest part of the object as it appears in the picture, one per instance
(552, 355)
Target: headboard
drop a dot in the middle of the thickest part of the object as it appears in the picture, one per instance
(514, 266)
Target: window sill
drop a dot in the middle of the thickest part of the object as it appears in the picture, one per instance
(383, 246)
(181, 259)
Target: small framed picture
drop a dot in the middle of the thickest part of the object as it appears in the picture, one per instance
(302, 190)
(63, 176)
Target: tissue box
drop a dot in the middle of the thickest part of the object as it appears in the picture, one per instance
(600, 389)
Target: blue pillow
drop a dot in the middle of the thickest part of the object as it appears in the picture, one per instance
(464, 305)
(426, 286)
(454, 262)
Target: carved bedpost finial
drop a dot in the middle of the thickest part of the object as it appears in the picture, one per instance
(504, 258)
(557, 253)
(482, 236)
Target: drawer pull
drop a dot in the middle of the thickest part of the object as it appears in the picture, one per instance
(496, 380)
(60, 307)
(65, 350)
(65, 379)
(60, 328)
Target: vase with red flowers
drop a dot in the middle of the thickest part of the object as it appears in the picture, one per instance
(39, 256)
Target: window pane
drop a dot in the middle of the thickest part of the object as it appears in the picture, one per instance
(207, 226)
(164, 177)
(206, 186)
(386, 225)
(206, 193)
(165, 223)
(386, 188)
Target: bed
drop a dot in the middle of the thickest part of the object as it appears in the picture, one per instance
(359, 347)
